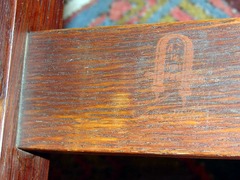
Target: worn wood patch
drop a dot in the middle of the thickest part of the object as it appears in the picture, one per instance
(166, 89)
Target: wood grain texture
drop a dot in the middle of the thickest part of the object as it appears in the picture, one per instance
(164, 89)
(17, 18)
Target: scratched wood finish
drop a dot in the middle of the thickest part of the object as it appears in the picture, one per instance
(165, 89)
(17, 18)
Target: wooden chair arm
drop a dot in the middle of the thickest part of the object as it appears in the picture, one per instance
(162, 89)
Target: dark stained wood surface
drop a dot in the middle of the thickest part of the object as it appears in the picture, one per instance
(17, 18)
(165, 89)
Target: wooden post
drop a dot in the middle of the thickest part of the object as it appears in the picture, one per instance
(17, 18)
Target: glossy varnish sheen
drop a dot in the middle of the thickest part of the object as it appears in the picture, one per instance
(166, 89)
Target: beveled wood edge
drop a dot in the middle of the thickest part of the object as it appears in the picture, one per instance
(211, 22)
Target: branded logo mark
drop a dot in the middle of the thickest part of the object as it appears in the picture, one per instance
(173, 66)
